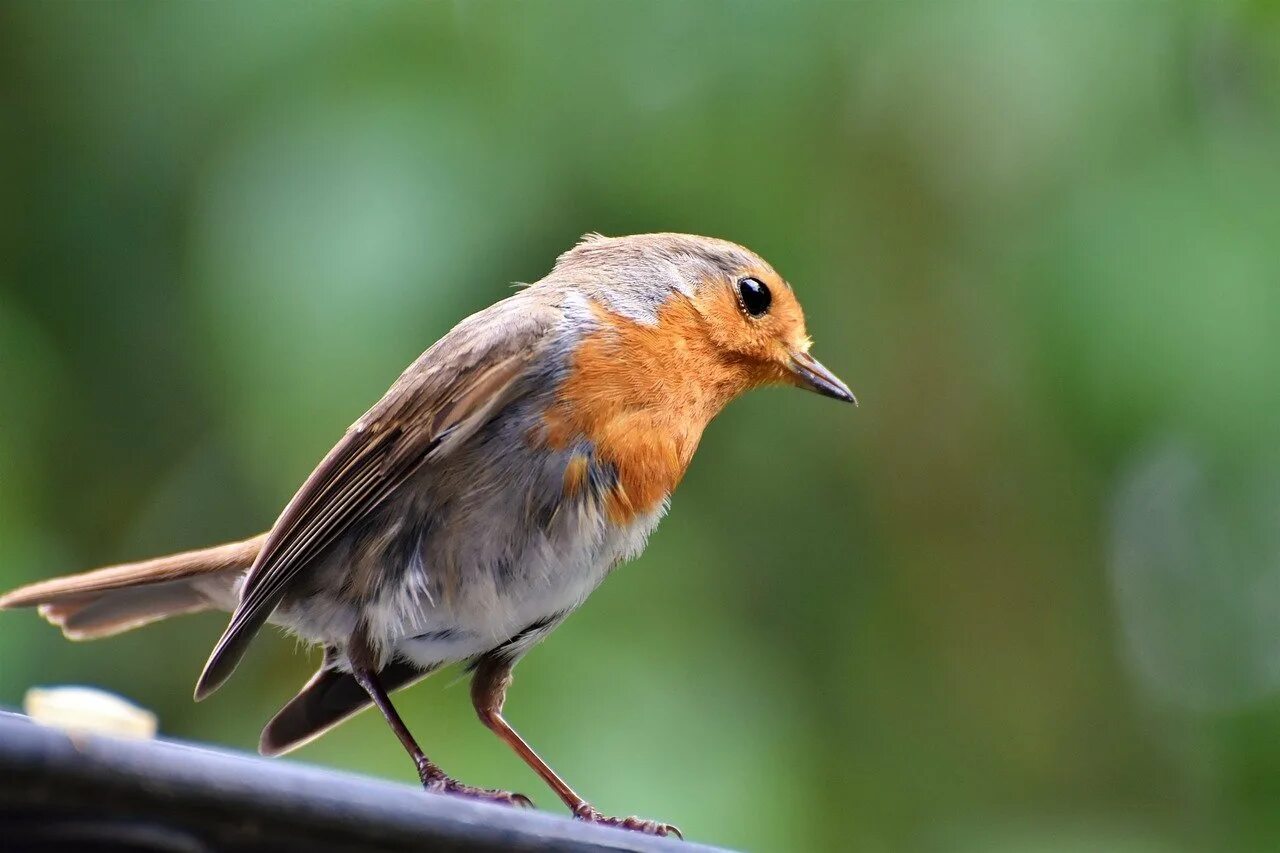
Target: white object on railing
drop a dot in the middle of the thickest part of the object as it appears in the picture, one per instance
(88, 710)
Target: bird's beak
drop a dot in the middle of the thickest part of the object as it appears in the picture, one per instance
(809, 373)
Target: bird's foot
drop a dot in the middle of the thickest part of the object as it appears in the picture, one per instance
(438, 783)
(588, 814)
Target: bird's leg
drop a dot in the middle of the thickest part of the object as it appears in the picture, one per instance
(433, 778)
(488, 692)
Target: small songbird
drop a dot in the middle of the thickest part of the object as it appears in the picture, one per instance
(506, 472)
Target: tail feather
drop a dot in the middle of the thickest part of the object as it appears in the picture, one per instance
(330, 697)
(115, 611)
(107, 601)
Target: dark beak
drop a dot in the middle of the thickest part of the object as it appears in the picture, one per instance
(810, 373)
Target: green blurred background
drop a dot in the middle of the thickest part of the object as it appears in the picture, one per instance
(1026, 598)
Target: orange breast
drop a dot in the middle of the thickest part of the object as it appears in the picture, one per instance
(642, 395)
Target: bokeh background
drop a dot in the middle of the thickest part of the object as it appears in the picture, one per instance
(1026, 598)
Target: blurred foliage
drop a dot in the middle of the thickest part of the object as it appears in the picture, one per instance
(1027, 598)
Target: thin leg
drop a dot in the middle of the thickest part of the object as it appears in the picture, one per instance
(488, 693)
(433, 778)
(427, 770)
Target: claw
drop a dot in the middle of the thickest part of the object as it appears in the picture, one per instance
(445, 785)
(588, 814)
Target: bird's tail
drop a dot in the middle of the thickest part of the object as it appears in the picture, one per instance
(107, 601)
(330, 697)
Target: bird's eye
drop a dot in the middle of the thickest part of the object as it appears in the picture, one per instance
(755, 296)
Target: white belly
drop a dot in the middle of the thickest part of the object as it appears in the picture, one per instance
(558, 572)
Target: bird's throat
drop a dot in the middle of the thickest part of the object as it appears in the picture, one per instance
(641, 395)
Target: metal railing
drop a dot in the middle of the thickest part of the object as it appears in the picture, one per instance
(88, 793)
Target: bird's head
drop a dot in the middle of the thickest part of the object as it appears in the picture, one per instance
(703, 302)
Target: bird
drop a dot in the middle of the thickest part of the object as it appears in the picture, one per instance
(501, 478)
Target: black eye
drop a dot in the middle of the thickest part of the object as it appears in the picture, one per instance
(755, 296)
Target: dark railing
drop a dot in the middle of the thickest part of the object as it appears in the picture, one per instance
(92, 794)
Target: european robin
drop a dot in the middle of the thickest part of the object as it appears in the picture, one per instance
(506, 472)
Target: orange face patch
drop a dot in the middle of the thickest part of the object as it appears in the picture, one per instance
(763, 341)
(642, 394)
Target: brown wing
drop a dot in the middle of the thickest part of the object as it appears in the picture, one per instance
(452, 390)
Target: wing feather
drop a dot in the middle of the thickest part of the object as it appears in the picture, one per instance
(428, 412)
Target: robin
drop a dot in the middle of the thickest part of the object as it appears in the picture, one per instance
(507, 471)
